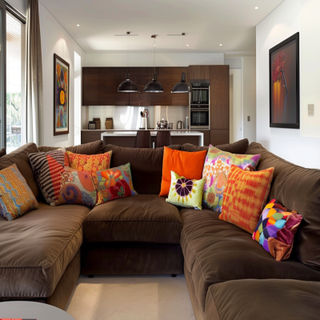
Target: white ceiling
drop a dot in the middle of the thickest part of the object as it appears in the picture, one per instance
(207, 24)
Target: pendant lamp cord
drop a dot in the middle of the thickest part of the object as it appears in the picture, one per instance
(154, 54)
(128, 49)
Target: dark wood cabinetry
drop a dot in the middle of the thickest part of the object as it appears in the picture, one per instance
(219, 97)
(141, 76)
(90, 86)
(199, 72)
(100, 84)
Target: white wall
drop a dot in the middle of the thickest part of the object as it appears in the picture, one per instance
(140, 59)
(236, 110)
(298, 146)
(242, 97)
(20, 5)
(249, 97)
(55, 39)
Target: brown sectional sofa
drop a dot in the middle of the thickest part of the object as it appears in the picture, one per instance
(229, 276)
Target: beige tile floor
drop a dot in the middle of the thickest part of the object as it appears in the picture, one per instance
(131, 298)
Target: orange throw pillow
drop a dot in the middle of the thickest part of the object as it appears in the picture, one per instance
(245, 197)
(91, 163)
(183, 163)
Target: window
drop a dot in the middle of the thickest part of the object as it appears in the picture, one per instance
(15, 83)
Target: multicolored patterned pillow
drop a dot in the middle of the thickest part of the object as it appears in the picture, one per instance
(276, 229)
(47, 168)
(16, 197)
(114, 183)
(90, 163)
(216, 169)
(77, 187)
(245, 196)
(185, 192)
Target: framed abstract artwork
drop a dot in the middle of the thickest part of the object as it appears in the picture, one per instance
(61, 96)
(284, 84)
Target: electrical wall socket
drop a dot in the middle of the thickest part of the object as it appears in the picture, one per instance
(310, 110)
(248, 118)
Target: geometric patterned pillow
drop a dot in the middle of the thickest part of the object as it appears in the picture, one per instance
(216, 170)
(91, 163)
(47, 168)
(276, 229)
(77, 187)
(114, 183)
(16, 197)
(185, 192)
(245, 197)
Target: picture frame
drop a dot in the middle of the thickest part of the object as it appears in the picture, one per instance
(60, 96)
(284, 82)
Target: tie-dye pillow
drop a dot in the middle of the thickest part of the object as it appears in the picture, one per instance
(114, 183)
(216, 170)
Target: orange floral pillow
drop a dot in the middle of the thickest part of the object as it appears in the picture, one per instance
(245, 196)
(90, 163)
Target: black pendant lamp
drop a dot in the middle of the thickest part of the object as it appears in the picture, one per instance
(182, 86)
(153, 86)
(128, 85)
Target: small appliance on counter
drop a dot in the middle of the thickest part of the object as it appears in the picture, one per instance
(144, 119)
(164, 124)
(109, 123)
(91, 125)
(97, 122)
(180, 124)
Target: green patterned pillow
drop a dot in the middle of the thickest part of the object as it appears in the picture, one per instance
(185, 192)
(216, 170)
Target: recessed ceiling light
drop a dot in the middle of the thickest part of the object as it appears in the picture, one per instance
(187, 45)
(154, 45)
(220, 44)
(78, 25)
(256, 8)
(114, 45)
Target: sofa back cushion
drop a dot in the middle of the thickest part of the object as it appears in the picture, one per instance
(238, 147)
(86, 148)
(21, 159)
(145, 163)
(296, 188)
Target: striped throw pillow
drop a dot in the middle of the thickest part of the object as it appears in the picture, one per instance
(47, 168)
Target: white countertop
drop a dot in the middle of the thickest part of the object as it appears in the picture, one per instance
(154, 133)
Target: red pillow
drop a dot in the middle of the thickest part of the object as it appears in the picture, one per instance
(187, 164)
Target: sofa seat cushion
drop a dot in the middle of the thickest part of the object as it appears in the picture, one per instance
(217, 251)
(263, 299)
(141, 218)
(37, 248)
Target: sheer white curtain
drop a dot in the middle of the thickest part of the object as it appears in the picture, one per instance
(34, 85)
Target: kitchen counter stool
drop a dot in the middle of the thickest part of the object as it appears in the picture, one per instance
(143, 139)
(163, 139)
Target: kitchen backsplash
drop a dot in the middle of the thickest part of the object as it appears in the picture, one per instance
(128, 118)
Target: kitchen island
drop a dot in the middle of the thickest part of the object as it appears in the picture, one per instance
(127, 138)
